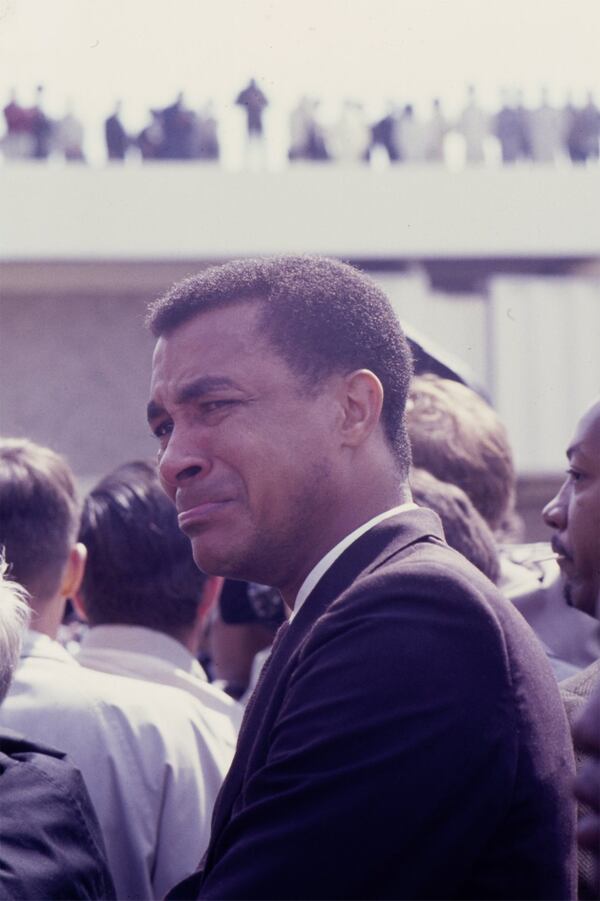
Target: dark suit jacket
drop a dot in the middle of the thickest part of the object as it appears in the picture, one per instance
(51, 846)
(406, 740)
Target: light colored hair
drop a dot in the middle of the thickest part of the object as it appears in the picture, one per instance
(459, 438)
(39, 514)
(14, 618)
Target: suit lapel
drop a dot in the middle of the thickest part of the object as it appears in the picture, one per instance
(368, 552)
(231, 786)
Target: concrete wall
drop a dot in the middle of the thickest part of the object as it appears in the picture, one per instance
(543, 340)
(74, 372)
(75, 359)
(186, 211)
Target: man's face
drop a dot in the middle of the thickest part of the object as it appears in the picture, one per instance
(575, 515)
(247, 455)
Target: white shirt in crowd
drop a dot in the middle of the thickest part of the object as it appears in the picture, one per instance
(148, 654)
(152, 758)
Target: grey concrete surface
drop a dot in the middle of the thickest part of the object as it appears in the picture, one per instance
(74, 375)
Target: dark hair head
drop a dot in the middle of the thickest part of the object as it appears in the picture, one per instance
(140, 570)
(39, 514)
(458, 437)
(321, 315)
(465, 530)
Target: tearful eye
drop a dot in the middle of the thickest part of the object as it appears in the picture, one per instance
(162, 429)
(211, 406)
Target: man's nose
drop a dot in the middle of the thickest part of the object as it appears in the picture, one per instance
(180, 461)
(555, 511)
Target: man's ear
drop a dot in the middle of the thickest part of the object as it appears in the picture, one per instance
(362, 403)
(73, 571)
(78, 602)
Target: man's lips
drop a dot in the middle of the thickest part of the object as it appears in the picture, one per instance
(563, 556)
(199, 512)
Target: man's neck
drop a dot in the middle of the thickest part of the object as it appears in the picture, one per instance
(46, 616)
(329, 559)
(350, 519)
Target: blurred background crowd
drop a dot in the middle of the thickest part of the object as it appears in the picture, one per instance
(515, 132)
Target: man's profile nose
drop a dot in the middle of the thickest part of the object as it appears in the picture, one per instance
(179, 462)
(554, 514)
(173, 473)
(189, 472)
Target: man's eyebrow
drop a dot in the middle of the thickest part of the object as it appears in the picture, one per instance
(192, 391)
(203, 385)
(573, 450)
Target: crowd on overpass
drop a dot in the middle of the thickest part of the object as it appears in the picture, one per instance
(513, 133)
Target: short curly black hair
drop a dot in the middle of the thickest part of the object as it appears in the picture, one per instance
(323, 316)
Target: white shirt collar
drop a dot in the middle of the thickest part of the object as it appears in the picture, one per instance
(38, 644)
(325, 562)
(123, 639)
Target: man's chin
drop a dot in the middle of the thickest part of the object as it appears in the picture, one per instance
(567, 594)
(581, 596)
(208, 563)
(215, 561)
